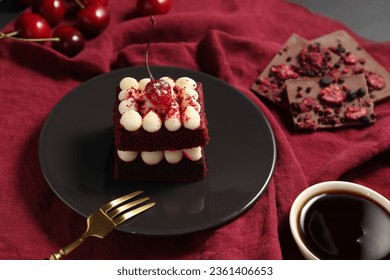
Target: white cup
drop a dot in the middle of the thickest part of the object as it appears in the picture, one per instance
(322, 188)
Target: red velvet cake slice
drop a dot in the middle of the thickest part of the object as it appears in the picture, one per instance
(160, 138)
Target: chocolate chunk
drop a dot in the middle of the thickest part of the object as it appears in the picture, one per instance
(351, 95)
(330, 106)
(361, 92)
(365, 120)
(340, 49)
(325, 81)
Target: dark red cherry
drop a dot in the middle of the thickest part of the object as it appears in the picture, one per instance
(90, 2)
(71, 41)
(153, 7)
(32, 26)
(93, 19)
(52, 10)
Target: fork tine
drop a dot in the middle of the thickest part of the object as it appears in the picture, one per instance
(119, 200)
(120, 219)
(115, 212)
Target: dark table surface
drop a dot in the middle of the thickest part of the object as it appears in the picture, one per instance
(369, 19)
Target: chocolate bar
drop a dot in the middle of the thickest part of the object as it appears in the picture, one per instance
(355, 60)
(297, 58)
(318, 103)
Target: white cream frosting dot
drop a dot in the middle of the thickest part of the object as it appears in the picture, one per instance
(196, 105)
(169, 80)
(173, 157)
(129, 83)
(131, 120)
(189, 101)
(193, 154)
(151, 122)
(142, 83)
(191, 118)
(127, 105)
(172, 119)
(185, 82)
(173, 123)
(191, 92)
(123, 94)
(152, 158)
(127, 156)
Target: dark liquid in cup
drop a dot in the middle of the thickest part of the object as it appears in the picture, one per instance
(344, 226)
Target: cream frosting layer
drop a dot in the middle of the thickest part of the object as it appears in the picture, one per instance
(137, 111)
(153, 158)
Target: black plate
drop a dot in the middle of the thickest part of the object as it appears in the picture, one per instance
(75, 149)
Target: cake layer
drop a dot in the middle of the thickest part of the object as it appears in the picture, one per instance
(137, 170)
(181, 126)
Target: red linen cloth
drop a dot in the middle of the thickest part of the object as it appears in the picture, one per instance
(232, 40)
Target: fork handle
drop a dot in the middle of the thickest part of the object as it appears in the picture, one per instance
(68, 249)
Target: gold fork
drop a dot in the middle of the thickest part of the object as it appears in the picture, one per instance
(105, 219)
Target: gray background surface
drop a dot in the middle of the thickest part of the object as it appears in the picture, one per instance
(368, 18)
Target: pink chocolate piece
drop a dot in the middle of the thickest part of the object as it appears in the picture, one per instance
(355, 60)
(297, 58)
(318, 103)
(272, 87)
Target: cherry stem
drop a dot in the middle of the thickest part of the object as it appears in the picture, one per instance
(80, 4)
(147, 48)
(12, 36)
